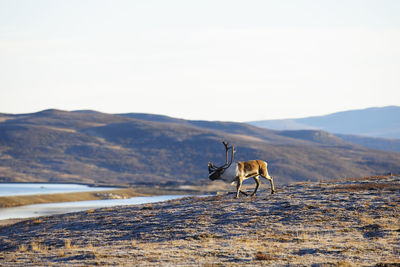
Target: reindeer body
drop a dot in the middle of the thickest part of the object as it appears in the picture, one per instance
(245, 170)
(240, 171)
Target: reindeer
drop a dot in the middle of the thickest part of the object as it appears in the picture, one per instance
(240, 171)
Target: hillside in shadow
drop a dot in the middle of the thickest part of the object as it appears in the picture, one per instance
(144, 149)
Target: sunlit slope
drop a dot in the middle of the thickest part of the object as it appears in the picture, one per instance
(92, 147)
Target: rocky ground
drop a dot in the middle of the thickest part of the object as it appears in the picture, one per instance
(348, 223)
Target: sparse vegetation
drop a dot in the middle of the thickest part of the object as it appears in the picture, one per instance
(37, 221)
(97, 148)
(260, 256)
(38, 247)
(67, 244)
(312, 223)
(89, 211)
(22, 248)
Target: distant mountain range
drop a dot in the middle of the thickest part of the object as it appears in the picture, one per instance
(154, 150)
(371, 122)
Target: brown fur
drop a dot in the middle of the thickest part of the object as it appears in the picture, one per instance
(253, 168)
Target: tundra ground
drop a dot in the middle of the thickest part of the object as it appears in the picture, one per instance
(349, 223)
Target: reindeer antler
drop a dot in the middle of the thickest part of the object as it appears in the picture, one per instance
(226, 144)
(233, 153)
(227, 147)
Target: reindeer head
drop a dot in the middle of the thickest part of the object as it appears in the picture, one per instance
(214, 171)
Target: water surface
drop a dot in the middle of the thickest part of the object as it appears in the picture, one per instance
(21, 189)
(66, 207)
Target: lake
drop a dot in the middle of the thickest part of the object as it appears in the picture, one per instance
(66, 207)
(21, 189)
(36, 210)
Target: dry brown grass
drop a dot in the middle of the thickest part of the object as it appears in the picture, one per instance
(38, 247)
(67, 244)
(260, 256)
(22, 248)
(368, 186)
(304, 223)
(374, 177)
(37, 221)
(89, 211)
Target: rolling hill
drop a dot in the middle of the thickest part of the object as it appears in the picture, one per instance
(153, 150)
(371, 122)
(387, 144)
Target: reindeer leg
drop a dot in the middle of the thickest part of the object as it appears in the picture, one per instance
(238, 186)
(244, 193)
(257, 185)
(272, 183)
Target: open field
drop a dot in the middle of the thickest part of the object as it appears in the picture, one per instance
(347, 223)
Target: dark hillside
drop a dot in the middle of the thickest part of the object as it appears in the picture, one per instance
(93, 147)
(244, 130)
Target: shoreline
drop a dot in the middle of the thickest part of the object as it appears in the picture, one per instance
(119, 193)
(66, 182)
(23, 200)
(8, 222)
(348, 223)
(38, 211)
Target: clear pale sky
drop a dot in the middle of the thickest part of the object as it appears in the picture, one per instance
(210, 60)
